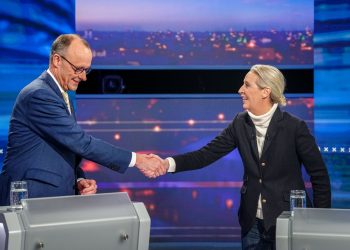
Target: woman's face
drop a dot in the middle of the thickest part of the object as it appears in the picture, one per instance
(252, 95)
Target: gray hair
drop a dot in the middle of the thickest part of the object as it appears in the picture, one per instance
(271, 77)
(62, 42)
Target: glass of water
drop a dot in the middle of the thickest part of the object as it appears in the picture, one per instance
(297, 199)
(18, 192)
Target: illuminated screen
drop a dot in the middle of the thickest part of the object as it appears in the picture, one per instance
(27, 29)
(332, 103)
(197, 33)
(197, 205)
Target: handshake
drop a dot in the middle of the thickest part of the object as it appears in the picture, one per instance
(151, 165)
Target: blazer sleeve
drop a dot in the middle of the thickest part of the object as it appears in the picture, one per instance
(48, 117)
(220, 146)
(312, 160)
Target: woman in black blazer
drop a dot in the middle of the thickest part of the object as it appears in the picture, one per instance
(273, 145)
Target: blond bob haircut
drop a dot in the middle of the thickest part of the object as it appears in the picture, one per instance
(271, 77)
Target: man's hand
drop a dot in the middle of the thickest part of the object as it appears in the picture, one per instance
(87, 186)
(151, 165)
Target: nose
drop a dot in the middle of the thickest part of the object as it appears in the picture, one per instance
(240, 90)
(82, 76)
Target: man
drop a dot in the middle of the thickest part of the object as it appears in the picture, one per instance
(273, 146)
(45, 143)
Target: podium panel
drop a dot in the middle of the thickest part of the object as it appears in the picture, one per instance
(313, 229)
(101, 221)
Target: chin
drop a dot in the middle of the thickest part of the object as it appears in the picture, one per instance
(73, 88)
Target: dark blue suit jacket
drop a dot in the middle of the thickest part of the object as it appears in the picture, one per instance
(45, 144)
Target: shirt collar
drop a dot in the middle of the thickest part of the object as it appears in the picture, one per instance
(54, 79)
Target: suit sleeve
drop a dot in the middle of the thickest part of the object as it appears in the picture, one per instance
(220, 146)
(49, 118)
(314, 165)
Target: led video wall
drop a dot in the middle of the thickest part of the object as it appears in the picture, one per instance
(194, 205)
(197, 33)
(332, 103)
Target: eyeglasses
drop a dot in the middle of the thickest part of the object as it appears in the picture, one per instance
(76, 69)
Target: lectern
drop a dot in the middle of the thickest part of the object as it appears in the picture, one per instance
(101, 221)
(313, 229)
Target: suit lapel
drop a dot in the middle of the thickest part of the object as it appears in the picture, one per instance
(272, 130)
(72, 108)
(251, 134)
(53, 85)
(48, 79)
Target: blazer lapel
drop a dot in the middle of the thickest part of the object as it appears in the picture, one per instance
(251, 134)
(272, 130)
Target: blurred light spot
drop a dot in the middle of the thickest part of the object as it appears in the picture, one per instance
(151, 207)
(229, 203)
(126, 190)
(89, 166)
(221, 116)
(117, 137)
(191, 122)
(194, 194)
(156, 128)
(148, 192)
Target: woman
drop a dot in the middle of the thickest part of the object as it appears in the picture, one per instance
(273, 146)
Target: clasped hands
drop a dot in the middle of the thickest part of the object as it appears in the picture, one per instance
(151, 165)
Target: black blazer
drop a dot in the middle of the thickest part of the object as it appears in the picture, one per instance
(288, 145)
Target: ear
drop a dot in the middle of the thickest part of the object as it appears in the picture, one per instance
(56, 60)
(266, 92)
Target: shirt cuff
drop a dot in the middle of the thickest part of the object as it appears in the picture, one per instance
(133, 160)
(79, 179)
(172, 165)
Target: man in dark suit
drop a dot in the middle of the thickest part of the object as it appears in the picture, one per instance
(46, 144)
(273, 146)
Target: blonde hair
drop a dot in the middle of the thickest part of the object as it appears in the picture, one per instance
(271, 77)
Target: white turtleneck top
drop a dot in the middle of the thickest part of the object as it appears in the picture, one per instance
(261, 123)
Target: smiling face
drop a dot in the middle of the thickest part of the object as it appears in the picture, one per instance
(77, 55)
(255, 99)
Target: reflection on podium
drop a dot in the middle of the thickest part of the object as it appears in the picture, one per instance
(313, 229)
(102, 221)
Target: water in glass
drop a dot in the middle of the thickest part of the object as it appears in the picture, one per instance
(18, 192)
(297, 199)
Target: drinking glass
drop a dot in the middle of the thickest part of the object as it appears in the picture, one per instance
(18, 192)
(297, 199)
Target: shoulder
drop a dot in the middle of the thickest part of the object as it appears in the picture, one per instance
(241, 117)
(290, 118)
(293, 122)
(38, 87)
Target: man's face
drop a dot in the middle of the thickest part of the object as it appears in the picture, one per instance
(77, 56)
(251, 94)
